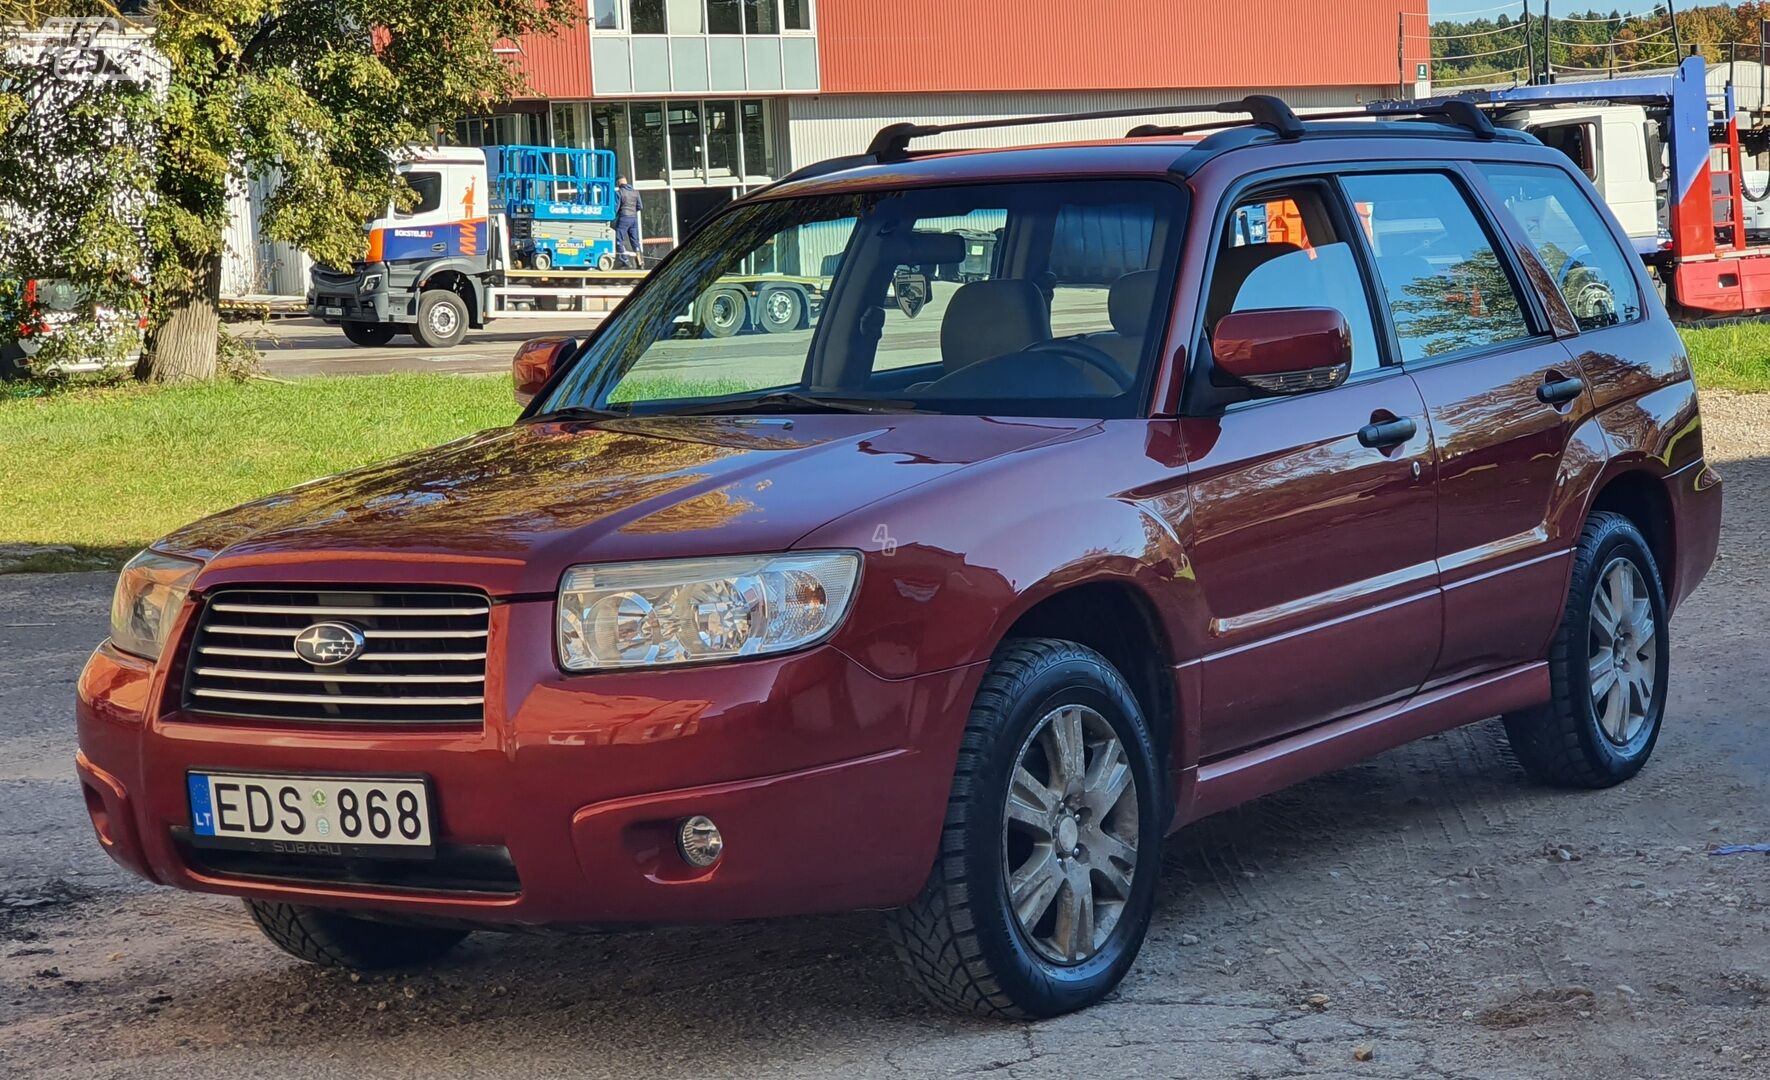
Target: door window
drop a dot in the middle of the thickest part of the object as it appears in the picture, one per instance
(1448, 290)
(428, 187)
(1283, 249)
(1574, 243)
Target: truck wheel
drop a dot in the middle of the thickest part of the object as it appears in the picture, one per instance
(543, 261)
(333, 939)
(723, 312)
(606, 262)
(781, 310)
(1608, 666)
(442, 320)
(1043, 885)
(369, 335)
(12, 363)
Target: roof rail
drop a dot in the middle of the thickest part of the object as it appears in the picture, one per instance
(892, 143)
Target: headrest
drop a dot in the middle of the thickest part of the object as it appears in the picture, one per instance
(1130, 303)
(925, 248)
(992, 318)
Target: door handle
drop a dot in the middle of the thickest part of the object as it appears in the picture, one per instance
(1387, 433)
(1556, 390)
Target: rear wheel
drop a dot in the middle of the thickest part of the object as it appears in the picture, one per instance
(723, 312)
(442, 320)
(333, 939)
(543, 261)
(1042, 889)
(605, 262)
(369, 335)
(1608, 666)
(781, 310)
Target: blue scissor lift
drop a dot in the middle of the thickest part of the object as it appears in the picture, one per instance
(559, 202)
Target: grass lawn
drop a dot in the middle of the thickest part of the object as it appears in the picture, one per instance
(108, 471)
(1731, 357)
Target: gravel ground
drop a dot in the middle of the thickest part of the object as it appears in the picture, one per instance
(1427, 913)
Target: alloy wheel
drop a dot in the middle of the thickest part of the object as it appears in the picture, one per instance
(1624, 650)
(1069, 840)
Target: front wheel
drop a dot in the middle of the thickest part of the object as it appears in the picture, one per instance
(369, 335)
(723, 312)
(334, 939)
(442, 320)
(1042, 889)
(1608, 666)
(543, 261)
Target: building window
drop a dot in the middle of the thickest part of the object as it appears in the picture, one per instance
(649, 154)
(797, 14)
(685, 139)
(647, 16)
(722, 139)
(571, 125)
(605, 14)
(762, 17)
(657, 225)
(608, 124)
(688, 16)
(725, 17)
(758, 139)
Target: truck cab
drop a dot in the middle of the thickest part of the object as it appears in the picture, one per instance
(426, 268)
(1618, 147)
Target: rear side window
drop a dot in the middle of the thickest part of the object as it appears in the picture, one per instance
(1448, 291)
(1576, 247)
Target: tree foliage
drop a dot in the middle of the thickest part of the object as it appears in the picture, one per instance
(122, 184)
(1590, 42)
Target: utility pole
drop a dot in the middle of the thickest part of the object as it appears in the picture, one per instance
(1548, 45)
(1401, 55)
(1677, 42)
(1529, 48)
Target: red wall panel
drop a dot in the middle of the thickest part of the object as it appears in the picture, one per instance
(557, 66)
(977, 45)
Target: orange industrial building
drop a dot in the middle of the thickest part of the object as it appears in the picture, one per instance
(704, 99)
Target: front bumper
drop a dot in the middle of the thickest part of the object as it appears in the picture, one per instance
(828, 783)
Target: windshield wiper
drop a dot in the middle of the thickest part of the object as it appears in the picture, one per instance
(788, 401)
(583, 412)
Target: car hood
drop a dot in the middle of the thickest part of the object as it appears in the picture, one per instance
(507, 510)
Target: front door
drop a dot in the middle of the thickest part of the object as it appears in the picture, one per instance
(1312, 546)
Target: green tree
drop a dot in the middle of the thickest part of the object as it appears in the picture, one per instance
(118, 179)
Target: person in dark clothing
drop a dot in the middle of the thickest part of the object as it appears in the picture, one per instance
(627, 207)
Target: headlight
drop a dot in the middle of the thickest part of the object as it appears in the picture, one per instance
(369, 284)
(149, 593)
(682, 611)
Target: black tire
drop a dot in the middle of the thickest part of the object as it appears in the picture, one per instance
(442, 320)
(12, 362)
(333, 939)
(724, 312)
(1565, 742)
(960, 940)
(369, 335)
(780, 310)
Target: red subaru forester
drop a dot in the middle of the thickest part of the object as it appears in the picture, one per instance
(936, 531)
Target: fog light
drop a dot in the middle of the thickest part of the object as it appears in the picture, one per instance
(699, 841)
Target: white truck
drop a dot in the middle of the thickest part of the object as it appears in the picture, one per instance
(1619, 148)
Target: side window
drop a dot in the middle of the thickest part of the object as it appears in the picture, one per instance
(1574, 243)
(1282, 250)
(1448, 290)
(428, 185)
(1574, 140)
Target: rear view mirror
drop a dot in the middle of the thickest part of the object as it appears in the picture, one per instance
(535, 362)
(1284, 350)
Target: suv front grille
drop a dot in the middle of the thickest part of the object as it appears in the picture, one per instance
(423, 657)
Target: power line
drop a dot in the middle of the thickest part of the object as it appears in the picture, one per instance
(1460, 37)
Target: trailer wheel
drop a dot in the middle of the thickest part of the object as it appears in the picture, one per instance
(781, 310)
(723, 312)
(442, 320)
(543, 261)
(369, 335)
(606, 262)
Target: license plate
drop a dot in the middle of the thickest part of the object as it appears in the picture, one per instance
(334, 311)
(312, 815)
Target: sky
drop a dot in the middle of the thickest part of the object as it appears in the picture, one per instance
(1461, 9)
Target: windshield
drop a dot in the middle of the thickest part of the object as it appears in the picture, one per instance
(1035, 299)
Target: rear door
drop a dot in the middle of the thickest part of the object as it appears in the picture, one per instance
(1504, 396)
(1313, 550)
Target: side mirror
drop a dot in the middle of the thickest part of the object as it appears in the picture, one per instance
(534, 363)
(1284, 350)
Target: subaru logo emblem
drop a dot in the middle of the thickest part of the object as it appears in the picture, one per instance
(328, 643)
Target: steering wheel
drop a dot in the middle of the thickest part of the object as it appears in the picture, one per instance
(1086, 355)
